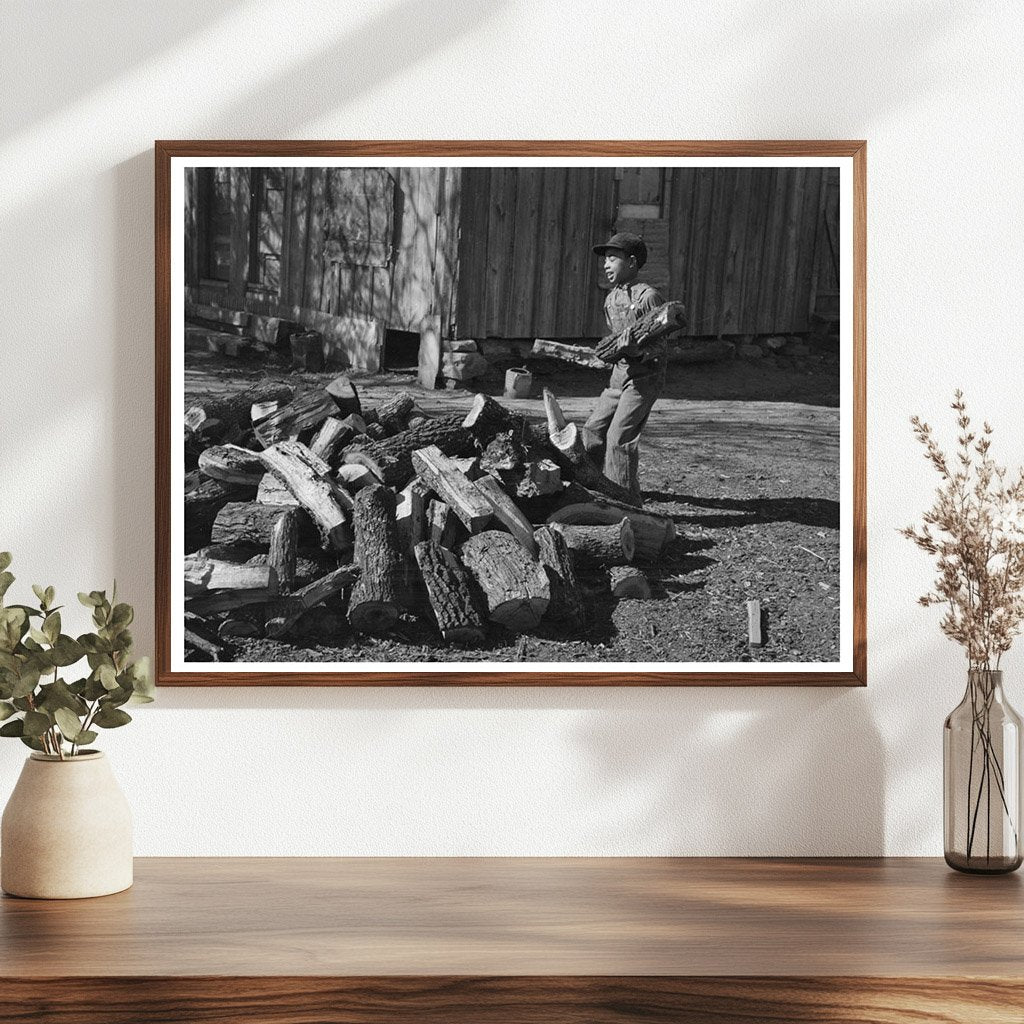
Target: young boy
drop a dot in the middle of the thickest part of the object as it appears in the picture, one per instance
(612, 433)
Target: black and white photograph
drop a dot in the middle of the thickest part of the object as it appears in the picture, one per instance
(550, 415)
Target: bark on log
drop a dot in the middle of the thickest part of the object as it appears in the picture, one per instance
(284, 540)
(393, 415)
(411, 515)
(202, 505)
(227, 600)
(567, 605)
(436, 469)
(599, 545)
(231, 465)
(580, 355)
(651, 533)
(443, 523)
(516, 586)
(449, 589)
(354, 477)
(299, 415)
(628, 581)
(505, 509)
(553, 411)
(245, 522)
(569, 443)
(235, 410)
(374, 605)
(344, 395)
(237, 627)
(391, 459)
(205, 574)
(283, 614)
(309, 479)
(503, 452)
(487, 418)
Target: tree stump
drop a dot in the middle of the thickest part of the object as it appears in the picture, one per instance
(449, 589)
(516, 586)
(374, 605)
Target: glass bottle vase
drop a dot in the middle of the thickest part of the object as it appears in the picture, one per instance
(981, 774)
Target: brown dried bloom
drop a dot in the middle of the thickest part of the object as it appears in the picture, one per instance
(976, 531)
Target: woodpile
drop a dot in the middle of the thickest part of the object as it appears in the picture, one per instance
(468, 523)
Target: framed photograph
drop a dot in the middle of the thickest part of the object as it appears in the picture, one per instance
(510, 413)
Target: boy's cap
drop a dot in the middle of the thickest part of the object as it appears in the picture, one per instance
(626, 242)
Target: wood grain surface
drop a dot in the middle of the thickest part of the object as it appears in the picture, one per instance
(500, 939)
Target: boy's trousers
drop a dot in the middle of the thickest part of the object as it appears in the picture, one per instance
(612, 433)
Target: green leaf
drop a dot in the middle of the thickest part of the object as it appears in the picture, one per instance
(89, 600)
(5, 560)
(50, 595)
(31, 741)
(36, 723)
(15, 728)
(122, 616)
(9, 663)
(66, 651)
(13, 623)
(107, 676)
(86, 736)
(40, 593)
(6, 710)
(38, 636)
(94, 644)
(22, 703)
(51, 626)
(142, 679)
(59, 695)
(27, 681)
(115, 698)
(111, 718)
(94, 689)
(69, 724)
(6, 579)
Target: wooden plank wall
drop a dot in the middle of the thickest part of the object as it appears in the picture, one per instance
(504, 252)
(744, 249)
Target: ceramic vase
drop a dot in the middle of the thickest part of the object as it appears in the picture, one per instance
(66, 831)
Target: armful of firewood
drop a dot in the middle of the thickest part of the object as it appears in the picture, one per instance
(638, 339)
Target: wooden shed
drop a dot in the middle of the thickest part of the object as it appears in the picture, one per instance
(372, 256)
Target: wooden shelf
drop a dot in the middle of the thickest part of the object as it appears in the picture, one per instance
(573, 941)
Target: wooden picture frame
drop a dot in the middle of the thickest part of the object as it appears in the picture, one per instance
(239, 238)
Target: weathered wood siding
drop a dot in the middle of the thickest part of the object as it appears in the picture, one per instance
(504, 252)
(746, 249)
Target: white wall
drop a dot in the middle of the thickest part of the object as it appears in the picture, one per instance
(936, 88)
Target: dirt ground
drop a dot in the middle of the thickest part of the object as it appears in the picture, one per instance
(743, 456)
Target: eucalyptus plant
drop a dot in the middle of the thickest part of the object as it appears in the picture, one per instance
(46, 712)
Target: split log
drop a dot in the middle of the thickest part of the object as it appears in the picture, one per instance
(284, 539)
(331, 438)
(442, 523)
(272, 491)
(599, 545)
(470, 467)
(505, 509)
(487, 418)
(553, 411)
(411, 515)
(449, 589)
(261, 410)
(393, 414)
(344, 395)
(227, 600)
(580, 355)
(503, 452)
(235, 410)
(391, 459)
(206, 574)
(245, 522)
(283, 614)
(566, 605)
(628, 581)
(354, 477)
(569, 443)
(652, 533)
(375, 432)
(202, 505)
(231, 465)
(516, 586)
(374, 605)
(436, 470)
(299, 415)
(309, 479)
